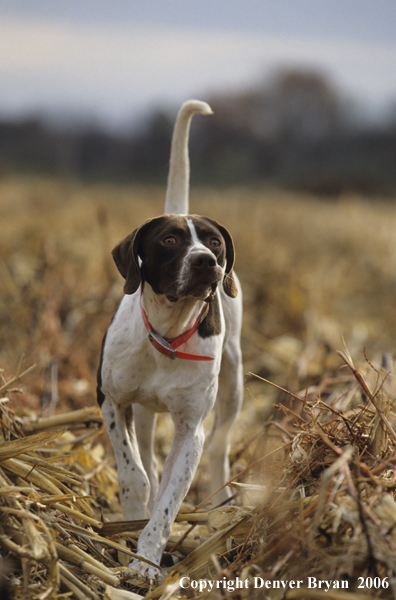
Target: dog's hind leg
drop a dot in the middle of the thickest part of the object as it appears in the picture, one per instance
(228, 404)
(145, 421)
(132, 478)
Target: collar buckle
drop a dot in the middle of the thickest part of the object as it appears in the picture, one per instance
(157, 340)
(168, 348)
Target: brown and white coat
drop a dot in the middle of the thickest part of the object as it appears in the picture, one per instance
(174, 266)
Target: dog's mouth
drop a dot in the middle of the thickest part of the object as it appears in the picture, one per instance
(212, 294)
(204, 291)
(200, 291)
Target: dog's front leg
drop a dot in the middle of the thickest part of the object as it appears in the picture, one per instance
(145, 421)
(132, 478)
(179, 470)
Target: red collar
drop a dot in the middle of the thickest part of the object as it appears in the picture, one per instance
(167, 347)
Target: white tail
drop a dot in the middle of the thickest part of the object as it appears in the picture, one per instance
(176, 200)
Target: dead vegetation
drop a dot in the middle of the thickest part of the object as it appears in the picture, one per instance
(313, 480)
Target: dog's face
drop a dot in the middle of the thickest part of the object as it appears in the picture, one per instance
(180, 257)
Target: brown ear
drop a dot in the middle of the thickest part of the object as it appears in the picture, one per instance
(126, 259)
(229, 284)
(126, 255)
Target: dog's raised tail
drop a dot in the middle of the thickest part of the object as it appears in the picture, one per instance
(177, 192)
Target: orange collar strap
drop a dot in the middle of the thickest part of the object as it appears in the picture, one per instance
(168, 347)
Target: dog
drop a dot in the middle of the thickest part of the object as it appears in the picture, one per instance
(173, 345)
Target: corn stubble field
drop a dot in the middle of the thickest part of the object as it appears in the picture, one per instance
(313, 468)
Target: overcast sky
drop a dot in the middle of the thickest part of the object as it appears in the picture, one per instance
(112, 59)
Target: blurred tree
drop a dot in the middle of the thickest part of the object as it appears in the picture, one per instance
(304, 106)
(294, 105)
(257, 134)
(294, 130)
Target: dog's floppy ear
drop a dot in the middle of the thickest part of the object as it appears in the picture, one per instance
(229, 284)
(126, 259)
(126, 255)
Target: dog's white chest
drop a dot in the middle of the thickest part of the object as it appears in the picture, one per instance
(134, 371)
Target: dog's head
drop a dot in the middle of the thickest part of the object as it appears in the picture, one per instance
(179, 256)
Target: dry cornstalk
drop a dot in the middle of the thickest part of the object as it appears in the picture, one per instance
(362, 382)
(111, 593)
(86, 565)
(327, 475)
(87, 557)
(18, 375)
(78, 515)
(77, 418)
(27, 473)
(70, 579)
(53, 470)
(27, 444)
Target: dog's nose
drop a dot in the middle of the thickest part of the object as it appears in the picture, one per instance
(203, 261)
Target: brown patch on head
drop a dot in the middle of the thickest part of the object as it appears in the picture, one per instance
(159, 261)
(161, 244)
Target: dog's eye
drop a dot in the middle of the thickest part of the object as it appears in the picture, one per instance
(215, 242)
(169, 240)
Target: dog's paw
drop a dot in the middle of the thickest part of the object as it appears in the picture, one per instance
(146, 570)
